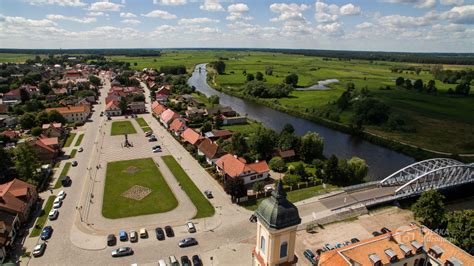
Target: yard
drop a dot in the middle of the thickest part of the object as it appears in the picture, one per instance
(122, 128)
(203, 206)
(42, 218)
(135, 187)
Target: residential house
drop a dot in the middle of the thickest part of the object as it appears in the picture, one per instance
(163, 93)
(223, 110)
(232, 167)
(31, 89)
(72, 75)
(17, 198)
(218, 134)
(192, 137)
(234, 120)
(210, 150)
(73, 113)
(195, 113)
(112, 98)
(3, 108)
(286, 154)
(113, 109)
(157, 109)
(12, 134)
(8, 121)
(137, 107)
(60, 91)
(9, 227)
(409, 245)
(52, 130)
(189, 100)
(46, 149)
(12, 97)
(167, 116)
(178, 126)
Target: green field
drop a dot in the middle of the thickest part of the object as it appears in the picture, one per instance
(64, 172)
(36, 231)
(15, 58)
(203, 206)
(122, 128)
(121, 176)
(69, 140)
(79, 140)
(441, 122)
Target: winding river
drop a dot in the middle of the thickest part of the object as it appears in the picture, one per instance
(382, 161)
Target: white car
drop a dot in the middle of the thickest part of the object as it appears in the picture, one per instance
(53, 214)
(156, 150)
(57, 203)
(61, 195)
(39, 249)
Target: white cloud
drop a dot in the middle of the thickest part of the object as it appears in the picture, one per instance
(159, 14)
(127, 15)
(350, 9)
(212, 5)
(332, 29)
(364, 25)
(399, 21)
(96, 14)
(169, 2)
(187, 21)
(238, 8)
(416, 3)
(452, 2)
(74, 19)
(25, 22)
(460, 14)
(288, 12)
(105, 6)
(328, 13)
(238, 16)
(131, 21)
(73, 3)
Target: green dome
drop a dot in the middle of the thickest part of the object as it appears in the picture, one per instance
(277, 212)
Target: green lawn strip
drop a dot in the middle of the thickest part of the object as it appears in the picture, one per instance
(63, 173)
(203, 206)
(122, 128)
(141, 122)
(123, 175)
(146, 129)
(79, 140)
(69, 140)
(296, 195)
(42, 218)
(73, 153)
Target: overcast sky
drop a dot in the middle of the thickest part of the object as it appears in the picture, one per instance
(382, 25)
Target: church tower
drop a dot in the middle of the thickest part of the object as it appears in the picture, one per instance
(277, 220)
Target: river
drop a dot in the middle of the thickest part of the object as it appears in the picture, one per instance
(382, 161)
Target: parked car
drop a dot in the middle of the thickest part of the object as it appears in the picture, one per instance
(339, 245)
(185, 261)
(123, 236)
(385, 230)
(328, 246)
(160, 234)
(156, 147)
(66, 181)
(355, 240)
(347, 243)
(161, 262)
(156, 150)
(39, 249)
(123, 251)
(143, 233)
(53, 214)
(268, 188)
(101, 113)
(80, 149)
(74, 163)
(208, 194)
(133, 236)
(169, 231)
(187, 242)
(61, 195)
(310, 256)
(375, 233)
(57, 203)
(191, 227)
(148, 133)
(152, 139)
(173, 261)
(46, 232)
(111, 240)
(196, 260)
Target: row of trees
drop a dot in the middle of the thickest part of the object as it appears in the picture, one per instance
(22, 162)
(417, 85)
(30, 120)
(263, 90)
(173, 70)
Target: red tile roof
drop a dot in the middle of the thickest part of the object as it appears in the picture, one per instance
(70, 109)
(157, 108)
(233, 166)
(10, 194)
(11, 134)
(177, 124)
(51, 125)
(210, 149)
(191, 136)
(168, 115)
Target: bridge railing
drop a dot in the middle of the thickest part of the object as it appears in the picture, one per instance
(363, 185)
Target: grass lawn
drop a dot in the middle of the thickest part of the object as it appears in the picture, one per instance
(69, 140)
(63, 173)
(203, 206)
(141, 122)
(42, 218)
(121, 176)
(246, 129)
(73, 153)
(297, 195)
(122, 128)
(146, 129)
(79, 140)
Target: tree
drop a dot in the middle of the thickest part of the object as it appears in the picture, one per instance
(238, 143)
(219, 66)
(371, 111)
(213, 100)
(250, 77)
(312, 146)
(399, 81)
(331, 169)
(235, 187)
(36, 131)
(262, 142)
(123, 105)
(429, 209)
(431, 87)
(24, 95)
(258, 187)
(291, 79)
(277, 164)
(206, 127)
(463, 88)
(6, 164)
(55, 116)
(27, 121)
(418, 85)
(44, 88)
(26, 164)
(344, 100)
(350, 86)
(408, 84)
(461, 229)
(300, 171)
(268, 70)
(259, 76)
(94, 80)
(359, 169)
(288, 128)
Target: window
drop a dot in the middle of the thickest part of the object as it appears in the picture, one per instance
(262, 244)
(284, 250)
(416, 263)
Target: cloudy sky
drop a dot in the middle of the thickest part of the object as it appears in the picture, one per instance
(382, 25)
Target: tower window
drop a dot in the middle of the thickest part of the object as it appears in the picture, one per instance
(262, 244)
(284, 250)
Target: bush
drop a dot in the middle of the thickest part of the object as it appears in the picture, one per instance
(277, 164)
(36, 131)
(290, 179)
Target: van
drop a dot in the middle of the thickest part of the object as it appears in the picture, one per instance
(143, 233)
(173, 261)
(191, 227)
